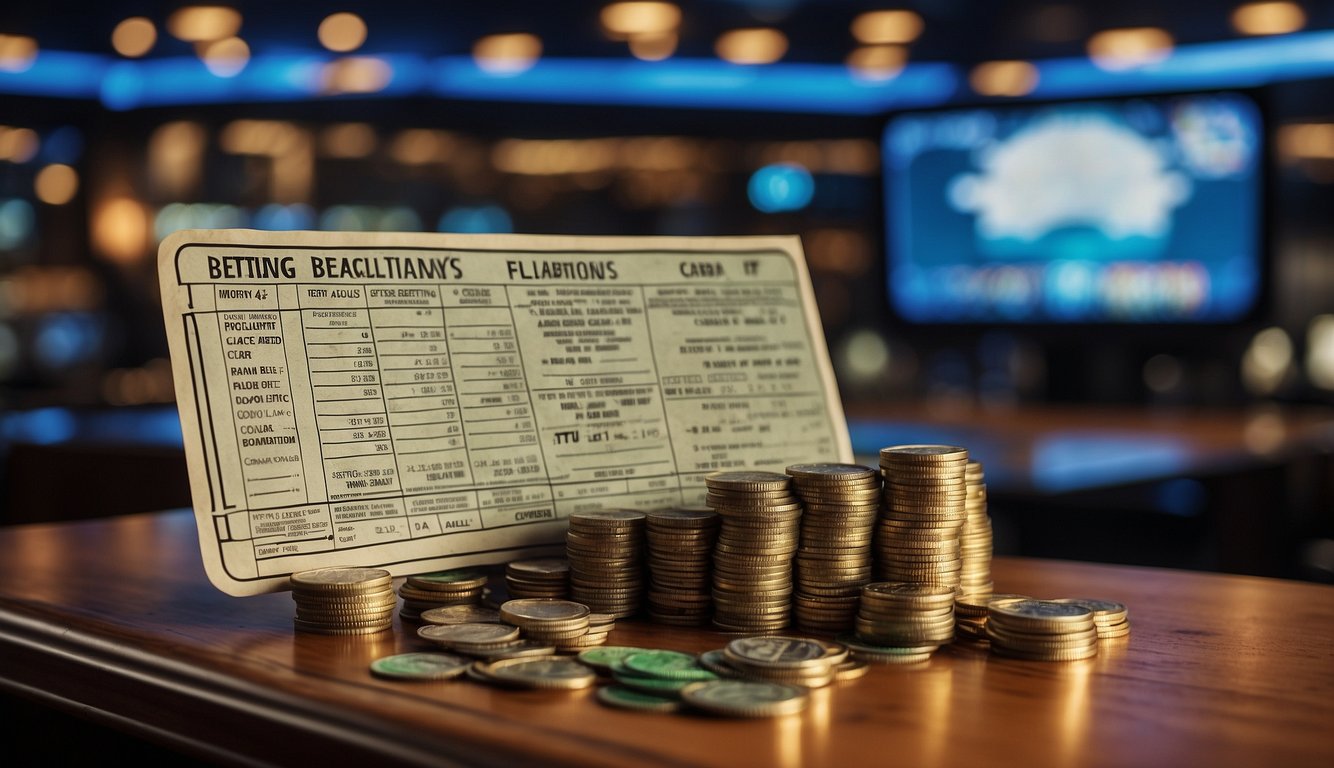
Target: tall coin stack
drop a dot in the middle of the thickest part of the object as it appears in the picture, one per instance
(840, 504)
(975, 539)
(538, 577)
(752, 561)
(605, 549)
(459, 586)
(923, 514)
(680, 553)
(343, 601)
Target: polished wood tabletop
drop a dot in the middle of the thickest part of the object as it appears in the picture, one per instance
(114, 619)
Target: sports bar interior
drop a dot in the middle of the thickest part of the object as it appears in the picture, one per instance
(1090, 241)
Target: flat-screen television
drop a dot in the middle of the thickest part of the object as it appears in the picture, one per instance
(1146, 209)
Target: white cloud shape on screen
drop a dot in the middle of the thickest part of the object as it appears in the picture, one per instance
(1070, 171)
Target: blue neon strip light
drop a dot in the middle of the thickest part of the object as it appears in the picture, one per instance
(705, 83)
(823, 88)
(1230, 64)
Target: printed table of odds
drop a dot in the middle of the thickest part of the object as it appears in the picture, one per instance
(363, 414)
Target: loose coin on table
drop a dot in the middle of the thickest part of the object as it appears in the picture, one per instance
(746, 698)
(627, 698)
(420, 666)
(547, 672)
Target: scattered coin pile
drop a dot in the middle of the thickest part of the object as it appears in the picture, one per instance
(538, 577)
(975, 539)
(923, 514)
(1112, 619)
(1041, 630)
(460, 586)
(606, 552)
(918, 617)
(343, 601)
(680, 565)
(840, 505)
(752, 561)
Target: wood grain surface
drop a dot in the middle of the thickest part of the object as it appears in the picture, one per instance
(115, 619)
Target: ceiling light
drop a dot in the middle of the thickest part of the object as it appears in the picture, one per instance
(201, 23)
(507, 54)
(1004, 78)
(342, 32)
(225, 58)
(877, 62)
(56, 184)
(621, 21)
(17, 53)
(751, 46)
(1270, 18)
(886, 27)
(1120, 49)
(134, 37)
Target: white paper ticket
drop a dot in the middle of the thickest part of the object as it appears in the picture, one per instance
(417, 402)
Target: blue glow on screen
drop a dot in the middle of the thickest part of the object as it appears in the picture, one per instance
(781, 187)
(1132, 210)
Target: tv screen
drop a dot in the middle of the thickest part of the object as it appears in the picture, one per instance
(1127, 210)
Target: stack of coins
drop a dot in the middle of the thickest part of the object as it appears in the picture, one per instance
(425, 591)
(923, 514)
(680, 553)
(1041, 630)
(795, 660)
(970, 615)
(538, 577)
(906, 615)
(975, 539)
(605, 549)
(343, 601)
(1111, 618)
(752, 560)
(840, 504)
(560, 623)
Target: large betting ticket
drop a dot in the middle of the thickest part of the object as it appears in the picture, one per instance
(417, 402)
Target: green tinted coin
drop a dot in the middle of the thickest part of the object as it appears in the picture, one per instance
(605, 658)
(667, 665)
(420, 666)
(655, 685)
(627, 698)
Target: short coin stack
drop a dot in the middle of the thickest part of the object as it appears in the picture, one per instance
(562, 624)
(606, 551)
(343, 601)
(680, 554)
(460, 586)
(975, 539)
(484, 640)
(1111, 618)
(840, 504)
(923, 514)
(1041, 630)
(970, 615)
(906, 615)
(752, 561)
(795, 660)
(538, 577)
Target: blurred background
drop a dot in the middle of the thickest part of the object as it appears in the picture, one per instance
(1092, 242)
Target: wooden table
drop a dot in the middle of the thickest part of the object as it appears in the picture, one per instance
(114, 619)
